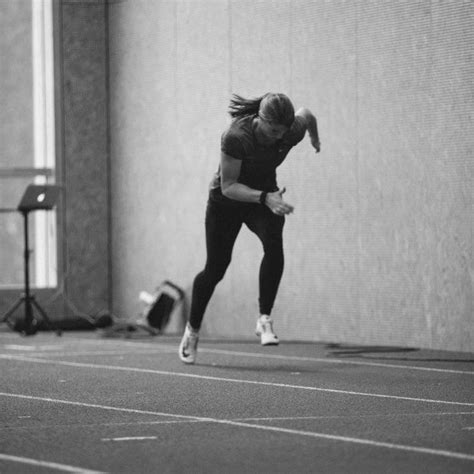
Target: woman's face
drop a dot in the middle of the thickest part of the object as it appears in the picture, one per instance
(271, 130)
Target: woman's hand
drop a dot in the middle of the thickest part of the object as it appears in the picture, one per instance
(316, 144)
(311, 127)
(277, 205)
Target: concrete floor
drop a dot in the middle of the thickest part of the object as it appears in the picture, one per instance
(85, 403)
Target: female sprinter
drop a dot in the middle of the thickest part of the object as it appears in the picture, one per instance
(244, 191)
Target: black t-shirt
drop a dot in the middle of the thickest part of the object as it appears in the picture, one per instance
(259, 162)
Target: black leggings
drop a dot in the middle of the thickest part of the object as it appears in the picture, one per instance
(223, 223)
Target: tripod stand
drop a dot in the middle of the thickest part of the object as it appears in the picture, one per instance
(30, 323)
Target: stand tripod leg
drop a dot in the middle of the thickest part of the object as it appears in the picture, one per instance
(45, 317)
(12, 309)
(30, 322)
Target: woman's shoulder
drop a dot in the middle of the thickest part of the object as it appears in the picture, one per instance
(241, 126)
(239, 134)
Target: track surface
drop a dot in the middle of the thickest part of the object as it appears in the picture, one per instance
(85, 403)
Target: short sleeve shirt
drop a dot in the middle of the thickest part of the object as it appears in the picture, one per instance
(259, 162)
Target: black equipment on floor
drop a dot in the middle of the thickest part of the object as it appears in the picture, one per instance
(36, 197)
(157, 315)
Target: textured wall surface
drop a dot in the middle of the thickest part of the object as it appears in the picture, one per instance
(84, 164)
(379, 249)
(16, 88)
(16, 135)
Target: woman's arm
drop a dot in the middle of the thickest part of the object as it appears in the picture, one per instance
(231, 188)
(311, 126)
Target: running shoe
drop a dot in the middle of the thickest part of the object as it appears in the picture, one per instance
(188, 346)
(264, 329)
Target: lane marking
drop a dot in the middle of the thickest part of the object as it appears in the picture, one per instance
(85, 425)
(130, 438)
(171, 349)
(27, 348)
(338, 361)
(347, 439)
(17, 347)
(276, 418)
(345, 417)
(285, 357)
(91, 353)
(51, 465)
(225, 379)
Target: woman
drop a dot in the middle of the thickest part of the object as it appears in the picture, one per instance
(244, 190)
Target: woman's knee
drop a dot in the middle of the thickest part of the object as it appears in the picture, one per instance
(215, 273)
(273, 246)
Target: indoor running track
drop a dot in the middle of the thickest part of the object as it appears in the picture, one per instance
(89, 404)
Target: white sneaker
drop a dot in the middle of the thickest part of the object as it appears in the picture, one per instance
(264, 329)
(188, 346)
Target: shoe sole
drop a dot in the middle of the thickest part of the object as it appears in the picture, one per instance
(269, 343)
(183, 359)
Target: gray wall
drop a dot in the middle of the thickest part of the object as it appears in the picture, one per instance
(16, 135)
(83, 152)
(379, 249)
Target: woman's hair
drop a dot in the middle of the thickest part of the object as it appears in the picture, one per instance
(272, 107)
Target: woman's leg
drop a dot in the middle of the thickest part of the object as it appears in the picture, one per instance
(223, 223)
(269, 229)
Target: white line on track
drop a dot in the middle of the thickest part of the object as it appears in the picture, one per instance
(347, 439)
(225, 379)
(130, 438)
(50, 465)
(338, 361)
(358, 417)
(169, 348)
(153, 347)
(269, 418)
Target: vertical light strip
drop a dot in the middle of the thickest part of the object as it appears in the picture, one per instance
(44, 139)
(50, 160)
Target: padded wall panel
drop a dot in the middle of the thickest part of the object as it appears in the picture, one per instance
(143, 114)
(411, 243)
(169, 75)
(84, 93)
(319, 291)
(260, 51)
(452, 283)
(16, 87)
(394, 166)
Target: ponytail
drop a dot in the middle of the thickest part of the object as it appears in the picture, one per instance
(240, 107)
(271, 107)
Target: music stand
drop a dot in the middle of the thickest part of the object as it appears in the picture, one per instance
(36, 197)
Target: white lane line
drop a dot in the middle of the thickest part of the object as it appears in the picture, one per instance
(357, 417)
(347, 439)
(130, 438)
(275, 418)
(50, 465)
(338, 361)
(285, 357)
(469, 428)
(171, 349)
(27, 348)
(225, 379)
(91, 353)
